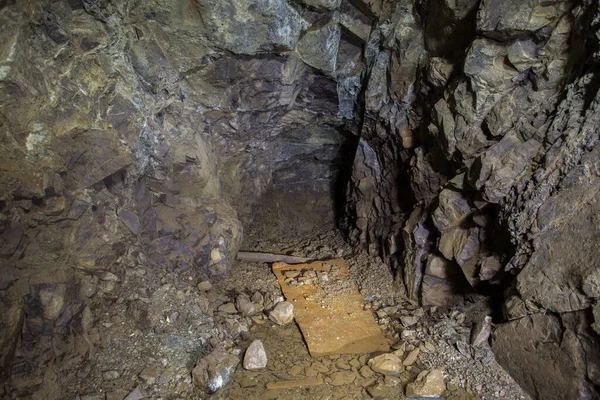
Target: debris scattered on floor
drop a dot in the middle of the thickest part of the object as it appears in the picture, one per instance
(185, 335)
(329, 308)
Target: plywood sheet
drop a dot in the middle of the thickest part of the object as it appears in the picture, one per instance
(329, 309)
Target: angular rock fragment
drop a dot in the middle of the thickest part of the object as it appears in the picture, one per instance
(481, 331)
(428, 384)
(245, 305)
(255, 357)
(214, 371)
(387, 364)
(283, 313)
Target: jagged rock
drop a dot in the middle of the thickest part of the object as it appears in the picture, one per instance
(204, 286)
(255, 357)
(214, 371)
(387, 364)
(283, 313)
(547, 354)
(319, 47)
(439, 71)
(411, 358)
(484, 64)
(245, 27)
(428, 384)
(506, 19)
(343, 378)
(481, 331)
(245, 305)
(228, 308)
(496, 171)
(323, 4)
(452, 209)
(355, 21)
(490, 266)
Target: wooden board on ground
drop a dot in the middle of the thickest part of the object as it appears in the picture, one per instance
(329, 309)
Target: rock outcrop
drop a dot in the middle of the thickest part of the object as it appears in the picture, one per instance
(477, 170)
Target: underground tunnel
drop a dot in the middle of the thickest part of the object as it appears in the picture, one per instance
(299, 199)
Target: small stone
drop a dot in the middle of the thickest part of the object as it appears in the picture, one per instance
(464, 349)
(387, 364)
(296, 370)
(255, 357)
(366, 371)
(136, 394)
(412, 357)
(409, 320)
(291, 274)
(342, 364)
(430, 347)
(343, 378)
(245, 305)
(149, 375)
(428, 384)
(283, 313)
(354, 363)
(110, 375)
(379, 390)
(109, 277)
(204, 286)
(228, 308)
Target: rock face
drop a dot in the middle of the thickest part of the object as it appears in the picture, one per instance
(457, 140)
(475, 136)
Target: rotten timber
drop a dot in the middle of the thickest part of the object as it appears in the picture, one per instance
(252, 256)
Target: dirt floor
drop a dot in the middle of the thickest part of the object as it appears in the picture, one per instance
(147, 332)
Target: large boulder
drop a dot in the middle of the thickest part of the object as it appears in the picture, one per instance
(551, 357)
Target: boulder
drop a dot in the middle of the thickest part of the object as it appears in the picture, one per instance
(549, 356)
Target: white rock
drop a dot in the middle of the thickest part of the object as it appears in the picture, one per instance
(255, 357)
(387, 364)
(428, 384)
(283, 313)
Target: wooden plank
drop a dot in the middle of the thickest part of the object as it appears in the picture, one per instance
(253, 256)
(295, 383)
(330, 313)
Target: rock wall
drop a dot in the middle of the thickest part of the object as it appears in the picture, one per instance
(477, 171)
(139, 136)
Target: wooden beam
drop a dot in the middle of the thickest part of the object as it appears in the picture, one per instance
(253, 256)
